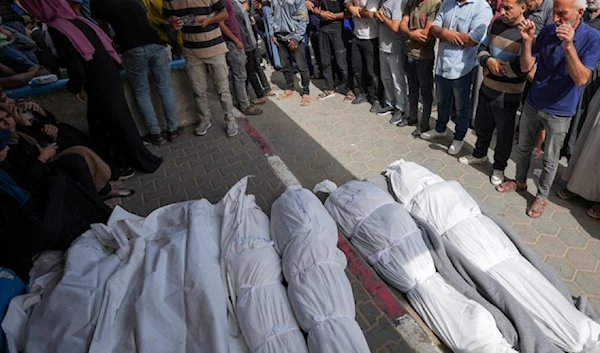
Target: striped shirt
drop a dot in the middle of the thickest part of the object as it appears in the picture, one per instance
(503, 43)
(198, 42)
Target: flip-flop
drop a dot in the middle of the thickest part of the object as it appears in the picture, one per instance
(565, 194)
(120, 193)
(254, 102)
(594, 211)
(349, 97)
(305, 100)
(538, 206)
(510, 185)
(286, 95)
(270, 94)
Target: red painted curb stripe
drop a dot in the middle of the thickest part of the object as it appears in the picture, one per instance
(255, 136)
(383, 298)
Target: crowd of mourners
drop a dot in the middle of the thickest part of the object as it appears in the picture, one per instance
(534, 62)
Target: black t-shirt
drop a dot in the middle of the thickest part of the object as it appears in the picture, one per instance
(335, 6)
(129, 21)
(8, 13)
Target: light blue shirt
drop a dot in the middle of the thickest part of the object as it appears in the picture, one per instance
(471, 17)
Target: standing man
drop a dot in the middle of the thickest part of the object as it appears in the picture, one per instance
(591, 14)
(331, 43)
(204, 50)
(500, 93)
(565, 53)
(391, 60)
(236, 59)
(143, 53)
(288, 27)
(419, 46)
(461, 25)
(540, 12)
(365, 52)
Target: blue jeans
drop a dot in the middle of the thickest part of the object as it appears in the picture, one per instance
(22, 42)
(276, 62)
(14, 59)
(458, 92)
(141, 61)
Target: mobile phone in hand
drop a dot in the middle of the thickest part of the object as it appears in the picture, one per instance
(188, 20)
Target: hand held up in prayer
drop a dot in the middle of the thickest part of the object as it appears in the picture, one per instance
(565, 32)
(527, 29)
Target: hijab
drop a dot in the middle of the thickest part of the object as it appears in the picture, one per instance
(57, 13)
(7, 184)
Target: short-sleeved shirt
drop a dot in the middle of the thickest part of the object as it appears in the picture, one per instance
(542, 16)
(471, 17)
(129, 21)
(231, 22)
(419, 13)
(334, 6)
(366, 28)
(391, 42)
(553, 90)
(198, 42)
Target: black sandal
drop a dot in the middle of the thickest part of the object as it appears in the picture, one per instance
(174, 135)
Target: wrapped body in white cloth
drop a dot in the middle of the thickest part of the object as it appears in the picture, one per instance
(386, 235)
(453, 214)
(251, 270)
(318, 288)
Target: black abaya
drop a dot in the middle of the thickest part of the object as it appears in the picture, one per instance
(109, 118)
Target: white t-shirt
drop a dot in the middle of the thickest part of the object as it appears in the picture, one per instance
(366, 28)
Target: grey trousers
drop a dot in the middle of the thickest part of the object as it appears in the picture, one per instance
(556, 129)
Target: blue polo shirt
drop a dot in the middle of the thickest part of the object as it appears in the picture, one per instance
(552, 90)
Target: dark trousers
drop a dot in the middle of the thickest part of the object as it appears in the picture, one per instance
(365, 64)
(420, 81)
(252, 69)
(488, 118)
(457, 92)
(332, 44)
(285, 54)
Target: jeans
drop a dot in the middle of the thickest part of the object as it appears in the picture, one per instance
(236, 59)
(393, 79)
(141, 61)
(274, 53)
(23, 43)
(332, 44)
(197, 69)
(14, 59)
(556, 129)
(420, 80)
(288, 70)
(456, 91)
(488, 118)
(365, 64)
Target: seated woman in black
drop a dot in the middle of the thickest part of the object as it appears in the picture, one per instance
(49, 217)
(32, 161)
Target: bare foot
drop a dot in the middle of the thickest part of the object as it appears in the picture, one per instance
(286, 94)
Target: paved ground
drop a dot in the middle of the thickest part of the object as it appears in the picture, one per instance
(341, 142)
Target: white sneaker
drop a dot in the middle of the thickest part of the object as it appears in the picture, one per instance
(455, 147)
(431, 134)
(497, 177)
(470, 159)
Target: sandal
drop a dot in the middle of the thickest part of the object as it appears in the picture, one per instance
(594, 211)
(349, 97)
(174, 135)
(270, 94)
(286, 94)
(536, 210)
(510, 185)
(118, 193)
(305, 100)
(565, 194)
(252, 110)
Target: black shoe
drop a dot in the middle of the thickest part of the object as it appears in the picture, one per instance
(126, 173)
(387, 110)
(412, 122)
(397, 118)
(375, 107)
(416, 133)
(174, 135)
(155, 139)
(361, 98)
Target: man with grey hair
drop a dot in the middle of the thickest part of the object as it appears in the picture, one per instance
(591, 14)
(566, 53)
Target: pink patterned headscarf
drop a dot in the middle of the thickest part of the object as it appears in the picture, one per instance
(56, 14)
